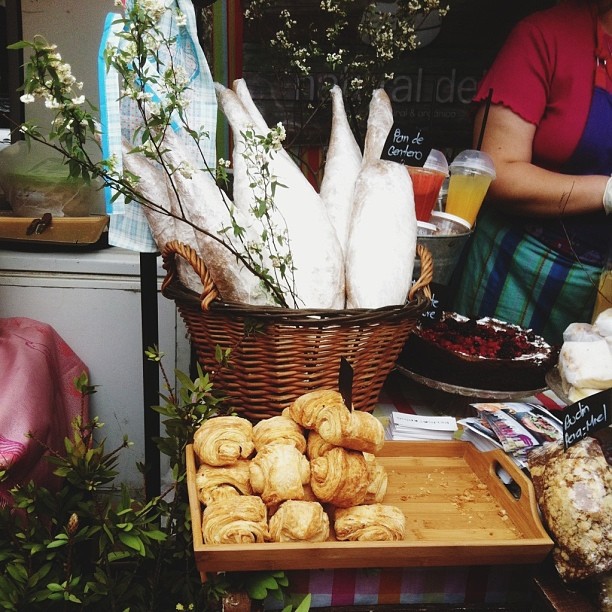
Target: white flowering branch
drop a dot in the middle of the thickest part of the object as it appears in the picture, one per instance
(48, 78)
(306, 42)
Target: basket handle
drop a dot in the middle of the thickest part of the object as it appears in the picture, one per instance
(426, 272)
(169, 252)
(210, 292)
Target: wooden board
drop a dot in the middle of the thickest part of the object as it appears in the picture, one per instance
(458, 512)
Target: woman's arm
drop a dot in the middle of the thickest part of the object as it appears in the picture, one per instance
(522, 188)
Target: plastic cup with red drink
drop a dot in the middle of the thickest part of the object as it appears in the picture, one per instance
(427, 182)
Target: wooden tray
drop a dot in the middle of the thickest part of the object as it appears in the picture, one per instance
(62, 231)
(458, 512)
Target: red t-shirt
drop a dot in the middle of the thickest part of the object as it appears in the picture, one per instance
(545, 74)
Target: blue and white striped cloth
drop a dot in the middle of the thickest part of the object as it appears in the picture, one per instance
(119, 120)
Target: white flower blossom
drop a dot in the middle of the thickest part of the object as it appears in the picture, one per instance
(53, 104)
(27, 98)
(186, 170)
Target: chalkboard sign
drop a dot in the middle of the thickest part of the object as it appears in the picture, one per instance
(586, 417)
(406, 144)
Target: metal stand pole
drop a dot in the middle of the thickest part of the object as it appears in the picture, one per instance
(150, 370)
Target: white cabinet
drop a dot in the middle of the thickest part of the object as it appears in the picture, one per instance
(93, 300)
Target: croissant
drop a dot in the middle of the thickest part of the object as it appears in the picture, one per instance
(278, 430)
(339, 477)
(223, 440)
(279, 472)
(378, 480)
(315, 407)
(375, 522)
(316, 445)
(364, 433)
(237, 520)
(299, 521)
(214, 483)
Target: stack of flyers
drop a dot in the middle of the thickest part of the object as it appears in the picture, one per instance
(515, 427)
(420, 427)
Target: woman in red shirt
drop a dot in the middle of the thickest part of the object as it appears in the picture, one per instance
(544, 233)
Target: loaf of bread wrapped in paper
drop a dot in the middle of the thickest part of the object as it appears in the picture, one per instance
(342, 165)
(315, 251)
(375, 522)
(215, 483)
(299, 521)
(194, 195)
(279, 472)
(223, 440)
(238, 520)
(339, 477)
(383, 230)
(164, 227)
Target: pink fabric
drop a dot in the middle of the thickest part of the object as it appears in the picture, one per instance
(37, 397)
(545, 74)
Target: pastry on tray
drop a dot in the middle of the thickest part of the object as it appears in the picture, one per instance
(312, 408)
(223, 440)
(299, 521)
(377, 480)
(279, 472)
(374, 522)
(238, 520)
(339, 477)
(214, 483)
(316, 445)
(362, 432)
(278, 430)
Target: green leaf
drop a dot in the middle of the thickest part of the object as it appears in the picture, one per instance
(304, 605)
(17, 572)
(132, 541)
(154, 534)
(22, 44)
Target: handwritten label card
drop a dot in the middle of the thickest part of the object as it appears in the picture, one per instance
(586, 417)
(406, 144)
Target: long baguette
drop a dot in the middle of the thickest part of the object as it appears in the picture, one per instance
(382, 239)
(208, 208)
(342, 164)
(315, 250)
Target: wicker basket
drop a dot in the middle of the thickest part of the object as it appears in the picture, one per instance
(291, 351)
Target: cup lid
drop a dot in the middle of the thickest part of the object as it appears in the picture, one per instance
(426, 229)
(436, 160)
(472, 159)
(439, 217)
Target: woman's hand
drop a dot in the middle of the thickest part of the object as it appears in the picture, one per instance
(523, 188)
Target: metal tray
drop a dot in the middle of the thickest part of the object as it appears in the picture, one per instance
(458, 512)
(491, 394)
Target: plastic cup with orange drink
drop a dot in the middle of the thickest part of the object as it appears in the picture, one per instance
(471, 173)
(426, 183)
